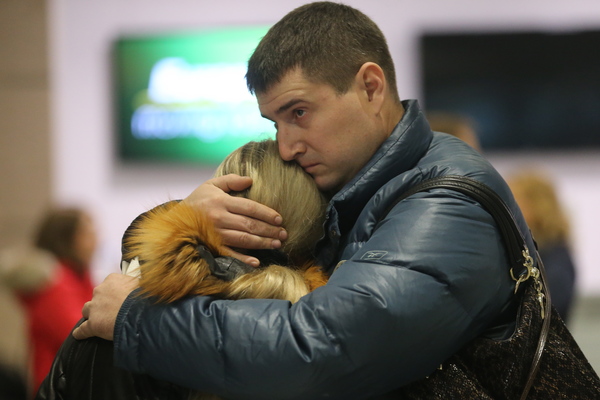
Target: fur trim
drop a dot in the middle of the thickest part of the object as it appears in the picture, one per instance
(314, 277)
(165, 240)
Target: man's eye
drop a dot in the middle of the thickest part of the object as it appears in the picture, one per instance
(300, 113)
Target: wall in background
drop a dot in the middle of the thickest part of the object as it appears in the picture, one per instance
(84, 169)
(25, 178)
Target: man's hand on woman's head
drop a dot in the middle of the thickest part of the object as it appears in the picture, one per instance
(242, 223)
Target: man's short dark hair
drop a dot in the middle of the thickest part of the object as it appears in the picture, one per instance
(328, 41)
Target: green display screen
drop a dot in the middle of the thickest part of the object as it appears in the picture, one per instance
(183, 97)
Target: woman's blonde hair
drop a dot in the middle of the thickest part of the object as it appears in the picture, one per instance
(544, 214)
(284, 187)
(167, 238)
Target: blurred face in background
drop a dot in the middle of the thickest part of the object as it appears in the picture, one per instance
(70, 235)
(85, 241)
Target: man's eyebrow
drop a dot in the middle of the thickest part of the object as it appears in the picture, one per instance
(285, 107)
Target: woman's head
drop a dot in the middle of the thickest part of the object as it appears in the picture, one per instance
(284, 187)
(70, 235)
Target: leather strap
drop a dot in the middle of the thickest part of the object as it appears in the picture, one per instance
(223, 267)
(512, 237)
(535, 364)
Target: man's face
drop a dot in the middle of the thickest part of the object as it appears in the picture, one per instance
(331, 136)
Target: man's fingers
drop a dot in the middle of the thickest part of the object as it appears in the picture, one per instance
(244, 240)
(243, 223)
(263, 215)
(237, 205)
(256, 229)
(82, 331)
(101, 312)
(231, 182)
(254, 262)
(85, 311)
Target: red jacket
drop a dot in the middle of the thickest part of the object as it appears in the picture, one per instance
(52, 312)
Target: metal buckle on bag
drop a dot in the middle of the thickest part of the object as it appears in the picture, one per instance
(530, 272)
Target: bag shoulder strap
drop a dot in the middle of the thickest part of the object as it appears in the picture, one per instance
(488, 198)
(514, 241)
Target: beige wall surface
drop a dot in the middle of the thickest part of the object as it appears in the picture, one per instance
(24, 150)
(24, 118)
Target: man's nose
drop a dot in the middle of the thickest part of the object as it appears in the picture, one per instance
(289, 146)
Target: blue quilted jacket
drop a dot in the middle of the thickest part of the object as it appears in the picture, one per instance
(407, 290)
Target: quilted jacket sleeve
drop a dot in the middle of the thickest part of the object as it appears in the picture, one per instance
(439, 278)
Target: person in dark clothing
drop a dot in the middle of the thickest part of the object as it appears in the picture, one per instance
(12, 384)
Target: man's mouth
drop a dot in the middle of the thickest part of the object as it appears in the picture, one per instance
(309, 168)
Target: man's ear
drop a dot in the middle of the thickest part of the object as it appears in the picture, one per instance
(371, 80)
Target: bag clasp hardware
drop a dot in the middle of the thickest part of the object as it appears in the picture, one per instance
(530, 272)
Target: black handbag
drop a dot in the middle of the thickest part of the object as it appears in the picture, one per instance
(541, 360)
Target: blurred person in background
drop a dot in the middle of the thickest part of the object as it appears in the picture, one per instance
(54, 306)
(21, 270)
(457, 125)
(538, 199)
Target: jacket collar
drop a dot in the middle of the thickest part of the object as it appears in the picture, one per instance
(406, 145)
